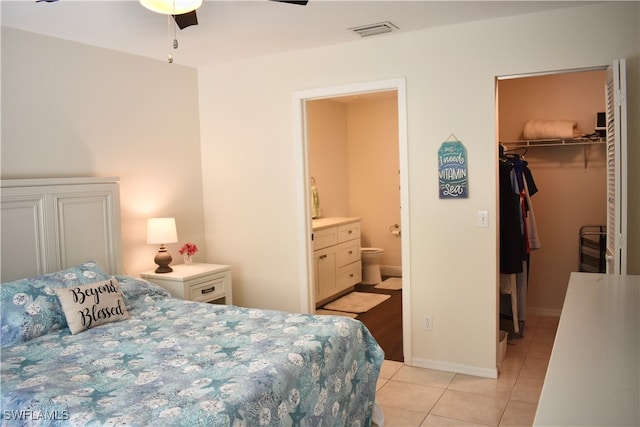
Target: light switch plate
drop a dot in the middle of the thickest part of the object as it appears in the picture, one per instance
(483, 218)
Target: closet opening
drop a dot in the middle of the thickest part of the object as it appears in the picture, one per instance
(553, 166)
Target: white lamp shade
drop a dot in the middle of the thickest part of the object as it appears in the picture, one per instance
(171, 7)
(161, 231)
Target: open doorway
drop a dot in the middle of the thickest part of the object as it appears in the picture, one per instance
(336, 99)
(354, 166)
(571, 170)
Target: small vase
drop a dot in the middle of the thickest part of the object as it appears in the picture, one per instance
(188, 259)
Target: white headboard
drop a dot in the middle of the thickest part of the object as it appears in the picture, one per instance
(51, 224)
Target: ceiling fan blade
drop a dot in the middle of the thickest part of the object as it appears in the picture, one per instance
(299, 2)
(186, 19)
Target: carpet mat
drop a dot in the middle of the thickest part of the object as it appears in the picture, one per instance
(357, 302)
(335, 313)
(392, 283)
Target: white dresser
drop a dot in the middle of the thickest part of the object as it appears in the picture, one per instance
(593, 378)
(336, 256)
(195, 282)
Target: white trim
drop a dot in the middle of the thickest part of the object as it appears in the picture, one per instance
(552, 72)
(391, 270)
(302, 177)
(439, 365)
(545, 312)
(617, 179)
(304, 215)
(622, 161)
(405, 223)
(43, 182)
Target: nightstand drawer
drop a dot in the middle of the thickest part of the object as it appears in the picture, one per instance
(196, 282)
(208, 290)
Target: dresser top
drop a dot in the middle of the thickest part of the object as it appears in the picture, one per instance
(183, 271)
(593, 376)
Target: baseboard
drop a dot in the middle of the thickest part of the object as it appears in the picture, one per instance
(539, 311)
(391, 270)
(454, 367)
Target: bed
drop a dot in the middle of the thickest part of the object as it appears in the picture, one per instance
(140, 357)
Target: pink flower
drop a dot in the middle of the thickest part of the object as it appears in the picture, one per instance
(189, 249)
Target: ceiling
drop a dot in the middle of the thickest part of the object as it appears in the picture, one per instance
(231, 30)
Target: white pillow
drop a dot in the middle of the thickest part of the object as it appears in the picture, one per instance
(91, 305)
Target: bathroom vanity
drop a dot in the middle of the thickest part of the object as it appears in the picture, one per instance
(336, 257)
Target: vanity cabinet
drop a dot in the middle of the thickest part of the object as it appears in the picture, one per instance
(336, 256)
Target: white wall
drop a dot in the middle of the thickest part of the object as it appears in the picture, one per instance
(571, 195)
(328, 161)
(250, 158)
(353, 156)
(72, 110)
(374, 178)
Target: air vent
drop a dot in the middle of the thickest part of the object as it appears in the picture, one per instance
(374, 29)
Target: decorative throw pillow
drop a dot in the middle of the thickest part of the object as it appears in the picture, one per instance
(30, 307)
(135, 289)
(92, 305)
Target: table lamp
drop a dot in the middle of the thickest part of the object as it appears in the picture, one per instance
(162, 231)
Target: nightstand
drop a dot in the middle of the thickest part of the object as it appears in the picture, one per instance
(195, 282)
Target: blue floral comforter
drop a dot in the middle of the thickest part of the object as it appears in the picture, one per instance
(180, 363)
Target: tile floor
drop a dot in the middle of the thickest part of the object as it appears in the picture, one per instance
(416, 397)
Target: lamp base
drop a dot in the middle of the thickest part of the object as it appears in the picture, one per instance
(163, 259)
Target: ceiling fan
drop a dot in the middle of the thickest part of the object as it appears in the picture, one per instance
(186, 19)
(183, 11)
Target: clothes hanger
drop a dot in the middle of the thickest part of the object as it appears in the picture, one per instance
(514, 152)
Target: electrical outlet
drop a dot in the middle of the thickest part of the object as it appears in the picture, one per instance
(428, 323)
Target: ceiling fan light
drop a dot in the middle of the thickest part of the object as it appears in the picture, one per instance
(171, 7)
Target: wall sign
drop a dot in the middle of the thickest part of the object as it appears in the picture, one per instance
(452, 169)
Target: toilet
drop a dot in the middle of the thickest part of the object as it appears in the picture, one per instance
(371, 265)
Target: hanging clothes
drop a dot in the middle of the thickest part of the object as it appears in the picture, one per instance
(511, 238)
(518, 234)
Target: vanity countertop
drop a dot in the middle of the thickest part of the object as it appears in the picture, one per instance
(320, 223)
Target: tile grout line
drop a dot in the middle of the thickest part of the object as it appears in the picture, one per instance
(520, 358)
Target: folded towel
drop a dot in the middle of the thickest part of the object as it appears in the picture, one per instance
(550, 129)
(315, 203)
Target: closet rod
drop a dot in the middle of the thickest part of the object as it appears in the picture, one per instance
(553, 142)
(584, 142)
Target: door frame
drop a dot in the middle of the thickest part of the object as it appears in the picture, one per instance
(617, 166)
(305, 261)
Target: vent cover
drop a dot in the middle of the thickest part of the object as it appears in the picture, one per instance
(374, 29)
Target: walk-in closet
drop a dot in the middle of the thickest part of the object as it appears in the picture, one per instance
(548, 124)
